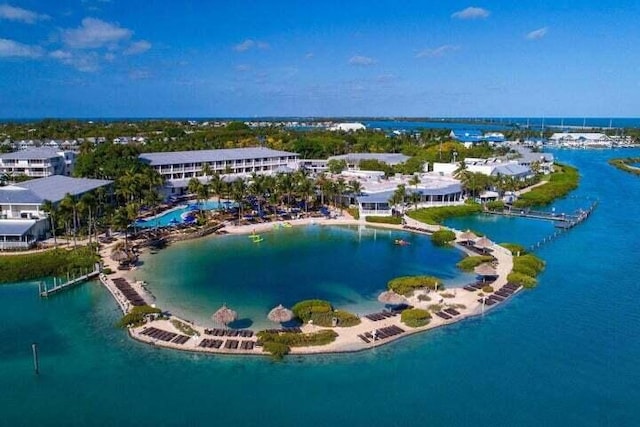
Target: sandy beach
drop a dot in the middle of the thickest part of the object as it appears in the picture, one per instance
(349, 339)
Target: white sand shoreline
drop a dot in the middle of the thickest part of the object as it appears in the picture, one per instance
(348, 339)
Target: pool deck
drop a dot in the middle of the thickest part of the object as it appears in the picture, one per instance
(349, 338)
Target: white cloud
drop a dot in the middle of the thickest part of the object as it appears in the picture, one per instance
(12, 13)
(95, 33)
(138, 47)
(363, 61)
(85, 62)
(471, 13)
(250, 44)
(437, 52)
(537, 34)
(14, 49)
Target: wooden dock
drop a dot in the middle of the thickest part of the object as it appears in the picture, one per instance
(562, 220)
(44, 292)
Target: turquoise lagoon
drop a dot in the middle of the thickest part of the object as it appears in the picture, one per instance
(565, 353)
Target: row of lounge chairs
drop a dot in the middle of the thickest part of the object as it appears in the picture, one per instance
(163, 335)
(472, 287)
(447, 313)
(419, 229)
(129, 293)
(381, 333)
(244, 333)
(228, 344)
(380, 316)
(501, 294)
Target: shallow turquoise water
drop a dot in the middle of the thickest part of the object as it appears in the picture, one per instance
(563, 354)
(347, 266)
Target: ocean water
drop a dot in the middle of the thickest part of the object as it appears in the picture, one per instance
(565, 353)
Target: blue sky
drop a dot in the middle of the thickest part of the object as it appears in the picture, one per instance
(131, 58)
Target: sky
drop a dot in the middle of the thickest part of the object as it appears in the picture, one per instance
(256, 58)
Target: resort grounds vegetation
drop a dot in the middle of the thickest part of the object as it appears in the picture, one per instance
(437, 215)
(354, 212)
(515, 248)
(443, 237)
(624, 164)
(405, 285)
(55, 262)
(564, 180)
(415, 317)
(487, 289)
(396, 220)
(136, 316)
(525, 269)
(184, 328)
(321, 313)
(471, 262)
(279, 343)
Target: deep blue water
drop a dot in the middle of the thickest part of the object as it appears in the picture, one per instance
(563, 354)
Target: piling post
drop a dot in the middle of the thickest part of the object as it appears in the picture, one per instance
(36, 363)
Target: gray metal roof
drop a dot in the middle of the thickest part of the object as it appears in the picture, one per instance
(382, 197)
(18, 227)
(511, 169)
(388, 158)
(40, 153)
(52, 188)
(198, 156)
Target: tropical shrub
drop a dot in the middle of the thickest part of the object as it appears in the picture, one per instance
(487, 289)
(438, 214)
(443, 237)
(279, 344)
(522, 279)
(525, 269)
(396, 220)
(136, 316)
(354, 212)
(184, 328)
(405, 285)
(515, 248)
(304, 310)
(415, 317)
(343, 319)
(55, 262)
(495, 205)
(624, 164)
(471, 262)
(564, 180)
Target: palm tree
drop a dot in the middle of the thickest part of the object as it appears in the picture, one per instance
(120, 220)
(239, 193)
(68, 208)
(206, 170)
(306, 190)
(202, 194)
(399, 196)
(50, 209)
(286, 185)
(341, 188)
(87, 204)
(217, 185)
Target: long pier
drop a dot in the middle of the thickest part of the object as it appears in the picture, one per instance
(44, 292)
(562, 220)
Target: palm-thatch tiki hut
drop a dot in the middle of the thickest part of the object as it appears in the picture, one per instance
(390, 297)
(483, 244)
(467, 237)
(280, 314)
(485, 270)
(224, 315)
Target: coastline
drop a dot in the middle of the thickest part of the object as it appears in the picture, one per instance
(349, 339)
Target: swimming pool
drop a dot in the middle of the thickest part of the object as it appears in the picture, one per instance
(179, 215)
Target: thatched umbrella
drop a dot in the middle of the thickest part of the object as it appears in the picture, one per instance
(120, 256)
(483, 243)
(485, 269)
(280, 314)
(390, 297)
(224, 315)
(468, 236)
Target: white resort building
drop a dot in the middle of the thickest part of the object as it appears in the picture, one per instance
(581, 139)
(22, 220)
(37, 162)
(178, 167)
(377, 192)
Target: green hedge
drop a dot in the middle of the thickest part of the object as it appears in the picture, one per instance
(405, 285)
(495, 205)
(443, 237)
(304, 310)
(525, 269)
(55, 262)
(279, 344)
(415, 317)
(471, 262)
(561, 182)
(396, 220)
(438, 214)
(344, 319)
(522, 279)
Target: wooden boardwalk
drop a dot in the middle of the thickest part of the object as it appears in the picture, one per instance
(44, 292)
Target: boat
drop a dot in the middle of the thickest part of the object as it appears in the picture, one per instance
(401, 242)
(258, 239)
